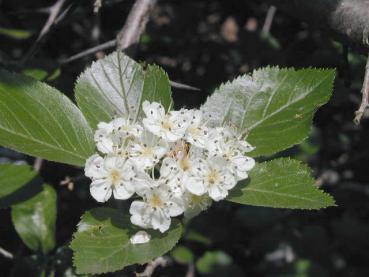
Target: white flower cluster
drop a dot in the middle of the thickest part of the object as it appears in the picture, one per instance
(173, 161)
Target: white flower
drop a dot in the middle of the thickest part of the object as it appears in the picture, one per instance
(147, 150)
(195, 204)
(197, 132)
(124, 128)
(112, 137)
(105, 141)
(172, 174)
(239, 163)
(212, 176)
(156, 209)
(171, 126)
(224, 143)
(110, 175)
(140, 237)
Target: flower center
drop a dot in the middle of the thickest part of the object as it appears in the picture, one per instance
(194, 131)
(166, 124)
(147, 151)
(115, 177)
(213, 176)
(156, 201)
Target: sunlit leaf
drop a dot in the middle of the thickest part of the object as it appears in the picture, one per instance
(281, 183)
(273, 107)
(38, 120)
(116, 86)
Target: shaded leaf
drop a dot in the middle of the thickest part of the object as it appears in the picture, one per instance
(102, 242)
(116, 86)
(274, 107)
(16, 183)
(182, 254)
(38, 120)
(34, 220)
(16, 33)
(281, 183)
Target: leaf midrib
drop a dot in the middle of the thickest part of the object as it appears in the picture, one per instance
(297, 99)
(284, 194)
(33, 139)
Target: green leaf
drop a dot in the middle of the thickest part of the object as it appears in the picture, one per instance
(16, 183)
(281, 183)
(38, 120)
(102, 242)
(16, 33)
(36, 73)
(116, 86)
(156, 86)
(34, 220)
(182, 254)
(274, 107)
(212, 261)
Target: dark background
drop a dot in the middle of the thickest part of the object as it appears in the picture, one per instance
(204, 43)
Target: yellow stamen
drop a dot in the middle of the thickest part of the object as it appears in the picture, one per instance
(156, 202)
(213, 176)
(115, 177)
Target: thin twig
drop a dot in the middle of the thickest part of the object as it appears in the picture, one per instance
(37, 164)
(90, 51)
(191, 270)
(135, 23)
(183, 86)
(6, 253)
(54, 11)
(365, 95)
(151, 266)
(129, 35)
(269, 19)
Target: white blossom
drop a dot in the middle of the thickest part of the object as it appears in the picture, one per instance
(239, 163)
(197, 133)
(140, 237)
(110, 175)
(173, 160)
(171, 126)
(156, 209)
(105, 141)
(212, 176)
(124, 128)
(112, 137)
(147, 150)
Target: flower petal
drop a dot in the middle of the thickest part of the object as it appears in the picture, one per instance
(123, 191)
(160, 221)
(140, 237)
(195, 185)
(217, 193)
(100, 190)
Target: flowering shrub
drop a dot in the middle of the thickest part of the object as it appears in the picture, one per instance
(136, 148)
